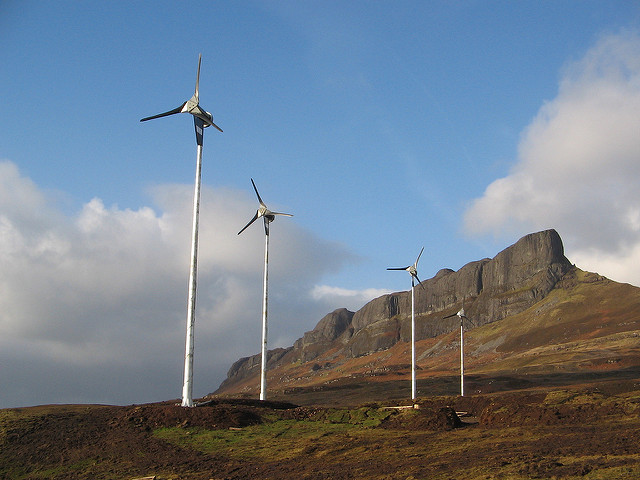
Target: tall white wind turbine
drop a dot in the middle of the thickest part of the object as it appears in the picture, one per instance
(460, 314)
(413, 271)
(268, 217)
(201, 120)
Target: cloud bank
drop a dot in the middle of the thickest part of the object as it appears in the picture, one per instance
(93, 305)
(578, 166)
(351, 299)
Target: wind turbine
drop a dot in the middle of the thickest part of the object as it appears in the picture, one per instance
(413, 271)
(268, 217)
(460, 314)
(191, 106)
(201, 120)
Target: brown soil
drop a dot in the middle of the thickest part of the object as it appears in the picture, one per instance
(584, 431)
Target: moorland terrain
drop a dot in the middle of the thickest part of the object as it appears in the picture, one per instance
(582, 431)
(552, 390)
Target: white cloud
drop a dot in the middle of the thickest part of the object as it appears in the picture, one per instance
(350, 299)
(98, 300)
(578, 168)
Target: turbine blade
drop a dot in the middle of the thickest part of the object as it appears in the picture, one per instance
(197, 92)
(206, 119)
(214, 125)
(257, 194)
(280, 213)
(419, 255)
(449, 316)
(397, 268)
(255, 217)
(165, 114)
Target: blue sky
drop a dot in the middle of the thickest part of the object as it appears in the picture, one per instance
(382, 126)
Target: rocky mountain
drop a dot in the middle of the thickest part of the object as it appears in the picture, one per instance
(516, 284)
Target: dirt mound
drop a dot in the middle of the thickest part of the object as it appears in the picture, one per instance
(570, 408)
(429, 416)
(67, 442)
(511, 415)
(212, 416)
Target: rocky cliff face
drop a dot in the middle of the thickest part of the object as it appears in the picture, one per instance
(491, 290)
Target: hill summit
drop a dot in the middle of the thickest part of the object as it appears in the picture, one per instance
(516, 301)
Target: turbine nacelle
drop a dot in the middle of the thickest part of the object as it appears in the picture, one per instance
(263, 212)
(413, 271)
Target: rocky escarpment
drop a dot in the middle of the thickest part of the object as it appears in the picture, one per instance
(491, 289)
(310, 346)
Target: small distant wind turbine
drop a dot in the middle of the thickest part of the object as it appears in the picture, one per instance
(201, 119)
(413, 271)
(268, 217)
(460, 314)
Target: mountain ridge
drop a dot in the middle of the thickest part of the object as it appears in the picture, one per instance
(518, 278)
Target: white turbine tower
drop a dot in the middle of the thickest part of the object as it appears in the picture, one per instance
(201, 119)
(268, 217)
(413, 271)
(460, 314)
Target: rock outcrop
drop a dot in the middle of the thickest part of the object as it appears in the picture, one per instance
(331, 327)
(248, 366)
(491, 290)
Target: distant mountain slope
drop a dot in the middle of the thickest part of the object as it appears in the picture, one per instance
(533, 311)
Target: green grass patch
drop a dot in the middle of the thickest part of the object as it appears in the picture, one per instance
(22, 473)
(278, 440)
(281, 439)
(367, 417)
(574, 398)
